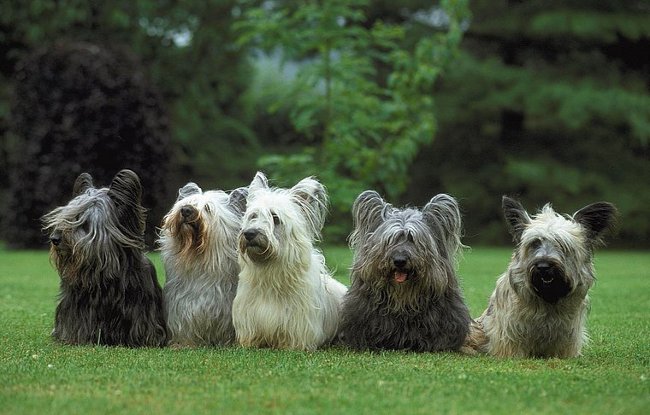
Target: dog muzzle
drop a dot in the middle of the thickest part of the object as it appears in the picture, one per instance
(549, 281)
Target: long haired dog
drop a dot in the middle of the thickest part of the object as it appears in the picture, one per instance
(198, 244)
(404, 293)
(286, 297)
(109, 293)
(540, 304)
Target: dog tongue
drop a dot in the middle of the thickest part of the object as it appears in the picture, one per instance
(400, 277)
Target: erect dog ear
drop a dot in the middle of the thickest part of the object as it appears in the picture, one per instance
(189, 189)
(126, 192)
(368, 212)
(597, 218)
(237, 200)
(516, 217)
(259, 182)
(83, 183)
(312, 198)
(442, 215)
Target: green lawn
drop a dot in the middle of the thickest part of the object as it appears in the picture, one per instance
(38, 376)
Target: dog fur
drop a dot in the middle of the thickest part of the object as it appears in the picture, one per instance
(286, 297)
(198, 245)
(405, 293)
(109, 293)
(540, 304)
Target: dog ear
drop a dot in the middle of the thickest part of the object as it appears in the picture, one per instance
(516, 217)
(311, 196)
(442, 214)
(189, 189)
(126, 192)
(83, 183)
(597, 218)
(259, 182)
(237, 200)
(368, 212)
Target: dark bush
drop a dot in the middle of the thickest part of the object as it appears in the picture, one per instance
(81, 107)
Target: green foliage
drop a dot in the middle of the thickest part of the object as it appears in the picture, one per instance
(40, 376)
(188, 51)
(82, 108)
(544, 112)
(370, 107)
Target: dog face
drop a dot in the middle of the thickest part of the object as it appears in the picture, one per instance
(201, 221)
(274, 216)
(399, 248)
(96, 224)
(553, 250)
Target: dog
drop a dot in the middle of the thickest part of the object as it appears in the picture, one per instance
(404, 293)
(198, 245)
(540, 304)
(109, 293)
(286, 297)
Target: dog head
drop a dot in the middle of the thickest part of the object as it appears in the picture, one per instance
(401, 248)
(282, 222)
(553, 250)
(97, 226)
(203, 225)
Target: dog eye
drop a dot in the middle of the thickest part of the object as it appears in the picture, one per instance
(535, 243)
(276, 219)
(252, 216)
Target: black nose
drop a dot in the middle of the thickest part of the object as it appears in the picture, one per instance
(187, 211)
(250, 234)
(400, 261)
(543, 266)
(55, 238)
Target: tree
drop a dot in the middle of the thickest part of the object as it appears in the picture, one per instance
(547, 101)
(186, 51)
(82, 108)
(364, 96)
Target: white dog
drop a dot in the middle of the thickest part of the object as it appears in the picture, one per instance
(198, 244)
(286, 297)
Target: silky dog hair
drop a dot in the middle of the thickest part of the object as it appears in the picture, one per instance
(198, 245)
(109, 293)
(405, 293)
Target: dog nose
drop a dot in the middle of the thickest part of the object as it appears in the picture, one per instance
(250, 234)
(543, 266)
(187, 211)
(55, 238)
(400, 261)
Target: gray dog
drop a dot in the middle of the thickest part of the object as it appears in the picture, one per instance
(539, 307)
(109, 292)
(404, 293)
(198, 245)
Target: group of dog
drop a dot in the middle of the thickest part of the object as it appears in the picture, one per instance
(241, 268)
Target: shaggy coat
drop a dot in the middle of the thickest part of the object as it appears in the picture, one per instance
(540, 304)
(109, 293)
(286, 297)
(404, 293)
(198, 244)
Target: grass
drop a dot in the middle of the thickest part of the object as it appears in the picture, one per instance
(38, 376)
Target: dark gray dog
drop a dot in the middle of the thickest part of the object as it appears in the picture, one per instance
(404, 293)
(109, 293)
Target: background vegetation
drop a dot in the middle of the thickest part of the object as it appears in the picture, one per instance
(545, 100)
(39, 376)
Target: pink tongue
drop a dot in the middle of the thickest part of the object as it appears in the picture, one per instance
(400, 277)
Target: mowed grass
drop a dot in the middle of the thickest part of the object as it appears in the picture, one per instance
(39, 376)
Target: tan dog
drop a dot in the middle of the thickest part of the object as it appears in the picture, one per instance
(539, 306)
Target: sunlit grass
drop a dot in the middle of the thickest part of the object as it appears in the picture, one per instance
(39, 376)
